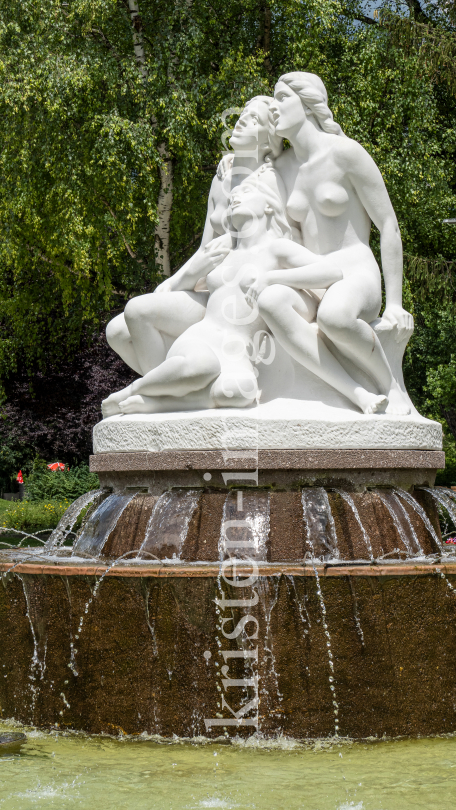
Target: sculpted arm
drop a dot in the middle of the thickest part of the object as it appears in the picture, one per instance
(297, 267)
(370, 187)
(200, 264)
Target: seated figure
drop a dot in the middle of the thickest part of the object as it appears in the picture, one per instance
(212, 364)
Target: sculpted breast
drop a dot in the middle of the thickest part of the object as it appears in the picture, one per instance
(298, 206)
(218, 218)
(331, 198)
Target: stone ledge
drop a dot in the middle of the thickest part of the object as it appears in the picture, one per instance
(205, 570)
(281, 424)
(268, 460)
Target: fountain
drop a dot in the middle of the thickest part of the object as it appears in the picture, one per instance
(265, 550)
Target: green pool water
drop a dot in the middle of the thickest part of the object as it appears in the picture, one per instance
(56, 770)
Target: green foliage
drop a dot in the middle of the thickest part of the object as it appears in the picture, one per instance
(30, 517)
(82, 126)
(43, 484)
(14, 455)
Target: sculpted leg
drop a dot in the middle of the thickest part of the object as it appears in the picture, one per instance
(281, 308)
(350, 331)
(149, 317)
(191, 370)
(229, 390)
(120, 341)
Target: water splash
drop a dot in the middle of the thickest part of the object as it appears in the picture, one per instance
(101, 524)
(330, 654)
(249, 539)
(168, 524)
(319, 522)
(348, 499)
(66, 523)
(422, 514)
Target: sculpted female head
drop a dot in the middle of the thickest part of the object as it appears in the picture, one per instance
(255, 129)
(259, 196)
(301, 95)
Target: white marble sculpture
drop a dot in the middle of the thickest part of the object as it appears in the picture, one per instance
(281, 301)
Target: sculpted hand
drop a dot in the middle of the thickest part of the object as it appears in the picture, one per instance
(398, 317)
(255, 290)
(212, 255)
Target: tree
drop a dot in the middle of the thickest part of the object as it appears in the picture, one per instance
(110, 131)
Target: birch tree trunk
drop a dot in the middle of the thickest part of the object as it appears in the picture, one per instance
(165, 194)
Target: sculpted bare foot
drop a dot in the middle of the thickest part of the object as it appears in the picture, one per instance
(397, 403)
(111, 405)
(138, 404)
(377, 404)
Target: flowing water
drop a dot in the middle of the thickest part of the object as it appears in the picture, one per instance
(63, 771)
(393, 507)
(169, 522)
(245, 525)
(319, 523)
(348, 499)
(67, 522)
(100, 525)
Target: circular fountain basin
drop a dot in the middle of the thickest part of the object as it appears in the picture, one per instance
(337, 618)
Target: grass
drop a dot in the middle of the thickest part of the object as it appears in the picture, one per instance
(29, 516)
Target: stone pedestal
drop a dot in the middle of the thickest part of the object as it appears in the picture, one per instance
(354, 469)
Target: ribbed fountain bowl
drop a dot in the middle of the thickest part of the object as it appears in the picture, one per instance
(313, 523)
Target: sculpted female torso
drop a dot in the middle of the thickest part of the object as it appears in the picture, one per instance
(334, 190)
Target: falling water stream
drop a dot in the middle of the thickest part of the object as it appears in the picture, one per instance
(348, 499)
(67, 522)
(319, 523)
(169, 522)
(392, 507)
(101, 524)
(245, 525)
(330, 653)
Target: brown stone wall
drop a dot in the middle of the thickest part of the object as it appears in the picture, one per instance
(141, 666)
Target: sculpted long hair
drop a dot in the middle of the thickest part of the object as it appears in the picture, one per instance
(312, 92)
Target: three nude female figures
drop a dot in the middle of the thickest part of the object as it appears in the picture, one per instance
(285, 249)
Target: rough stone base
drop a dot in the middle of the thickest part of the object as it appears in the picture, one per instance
(281, 424)
(142, 661)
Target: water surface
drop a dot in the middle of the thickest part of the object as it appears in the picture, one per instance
(63, 770)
